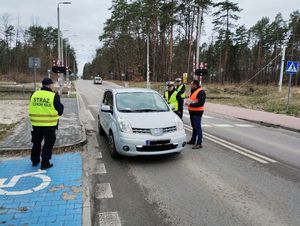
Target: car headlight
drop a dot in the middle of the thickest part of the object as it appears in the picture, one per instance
(124, 125)
(178, 123)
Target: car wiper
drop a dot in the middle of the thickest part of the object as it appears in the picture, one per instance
(126, 110)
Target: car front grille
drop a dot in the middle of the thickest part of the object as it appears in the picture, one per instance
(148, 131)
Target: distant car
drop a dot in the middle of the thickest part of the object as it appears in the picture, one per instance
(139, 122)
(98, 80)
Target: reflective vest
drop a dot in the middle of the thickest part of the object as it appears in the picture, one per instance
(41, 109)
(172, 100)
(179, 89)
(193, 97)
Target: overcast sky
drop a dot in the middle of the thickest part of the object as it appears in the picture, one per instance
(85, 18)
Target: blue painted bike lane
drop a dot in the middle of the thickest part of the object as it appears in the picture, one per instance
(30, 196)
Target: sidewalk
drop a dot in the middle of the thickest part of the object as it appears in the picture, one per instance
(56, 196)
(70, 131)
(266, 118)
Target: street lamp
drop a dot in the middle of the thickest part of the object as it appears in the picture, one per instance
(58, 44)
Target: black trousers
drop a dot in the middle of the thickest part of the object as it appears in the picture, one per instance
(49, 137)
(180, 108)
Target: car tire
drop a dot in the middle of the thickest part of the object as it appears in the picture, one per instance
(112, 147)
(100, 129)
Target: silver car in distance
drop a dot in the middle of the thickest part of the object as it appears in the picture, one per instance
(139, 122)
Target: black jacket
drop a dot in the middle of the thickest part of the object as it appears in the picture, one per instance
(59, 107)
(201, 97)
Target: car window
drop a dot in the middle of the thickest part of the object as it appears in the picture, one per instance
(142, 101)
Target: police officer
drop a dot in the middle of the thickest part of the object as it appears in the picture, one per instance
(44, 111)
(180, 88)
(171, 96)
(196, 108)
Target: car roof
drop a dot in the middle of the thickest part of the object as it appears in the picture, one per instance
(132, 90)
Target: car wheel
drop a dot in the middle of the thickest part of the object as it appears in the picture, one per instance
(100, 129)
(112, 147)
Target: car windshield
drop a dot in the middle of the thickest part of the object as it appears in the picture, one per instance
(98, 78)
(140, 102)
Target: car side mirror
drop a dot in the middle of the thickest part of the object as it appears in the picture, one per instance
(106, 108)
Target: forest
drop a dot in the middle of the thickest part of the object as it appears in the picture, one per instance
(17, 44)
(234, 53)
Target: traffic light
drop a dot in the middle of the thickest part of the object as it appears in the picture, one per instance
(57, 69)
(201, 72)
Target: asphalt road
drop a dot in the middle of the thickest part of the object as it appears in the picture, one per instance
(246, 174)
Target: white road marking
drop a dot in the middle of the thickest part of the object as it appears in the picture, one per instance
(206, 125)
(204, 116)
(93, 106)
(109, 219)
(223, 125)
(100, 155)
(244, 125)
(102, 169)
(103, 191)
(90, 114)
(243, 151)
(45, 181)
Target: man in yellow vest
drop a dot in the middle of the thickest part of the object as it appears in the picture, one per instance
(44, 111)
(180, 88)
(196, 108)
(171, 96)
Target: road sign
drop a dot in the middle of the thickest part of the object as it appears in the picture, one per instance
(34, 62)
(292, 67)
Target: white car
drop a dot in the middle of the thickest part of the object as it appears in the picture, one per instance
(98, 80)
(139, 122)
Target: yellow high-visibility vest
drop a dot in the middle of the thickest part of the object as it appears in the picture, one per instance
(172, 100)
(179, 89)
(41, 109)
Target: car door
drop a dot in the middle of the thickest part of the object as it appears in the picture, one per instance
(106, 117)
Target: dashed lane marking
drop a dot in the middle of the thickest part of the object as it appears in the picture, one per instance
(109, 219)
(103, 191)
(93, 106)
(204, 116)
(102, 169)
(223, 125)
(206, 125)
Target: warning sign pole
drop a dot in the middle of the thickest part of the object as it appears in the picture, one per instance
(289, 94)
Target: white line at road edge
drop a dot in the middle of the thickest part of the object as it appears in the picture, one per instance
(90, 114)
(243, 151)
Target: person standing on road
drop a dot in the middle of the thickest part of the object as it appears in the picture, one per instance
(180, 88)
(196, 108)
(44, 111)
(171, 96)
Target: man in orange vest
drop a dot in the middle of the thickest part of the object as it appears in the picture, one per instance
(196, 108)
(44, 111)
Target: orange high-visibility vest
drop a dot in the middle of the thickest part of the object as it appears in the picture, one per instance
(193, 97)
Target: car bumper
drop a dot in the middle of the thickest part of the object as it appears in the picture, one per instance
(141, 144)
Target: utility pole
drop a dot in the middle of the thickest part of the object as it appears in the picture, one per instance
(200, 15)
(148, 66)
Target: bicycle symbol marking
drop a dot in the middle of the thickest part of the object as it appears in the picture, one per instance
(14, 180)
